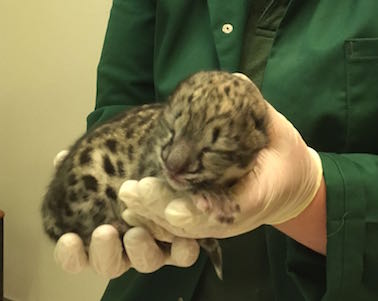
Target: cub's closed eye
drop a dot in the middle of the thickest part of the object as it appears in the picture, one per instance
(178, 114)
(166, 126)
(166, 147)
(173, 133)
(164, 152)
(164, 122)
(205, 150)
(219, 153)
(215, 136)
(195, 167)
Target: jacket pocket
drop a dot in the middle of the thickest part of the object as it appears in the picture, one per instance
(361, 67)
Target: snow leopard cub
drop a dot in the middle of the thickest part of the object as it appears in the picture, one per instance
(201, 140)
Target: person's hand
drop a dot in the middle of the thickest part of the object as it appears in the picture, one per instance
(283, 182)
(107, 257)
(106, 254)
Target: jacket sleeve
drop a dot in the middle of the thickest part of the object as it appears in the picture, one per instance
(125, 70)
(352, 225)
(350, 268)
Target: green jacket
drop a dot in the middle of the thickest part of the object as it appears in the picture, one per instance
(322, 74)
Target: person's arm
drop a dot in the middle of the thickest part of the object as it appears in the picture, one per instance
(309, 227)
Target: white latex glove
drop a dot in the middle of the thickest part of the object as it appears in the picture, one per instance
(106, 253)
(282, 184)
(107, 257)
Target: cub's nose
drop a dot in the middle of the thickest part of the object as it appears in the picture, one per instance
(178, 158)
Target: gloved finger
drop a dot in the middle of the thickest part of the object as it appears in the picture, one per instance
(184, 219)
(147, 193)
(144, 253)
(147, 199)
(184, 252)
(157, 231)
(242, 76)
(155, 189)
(106, 254)
(181, 212)
(158, 202)
(60, 157)
(129, 190)
(70, 254)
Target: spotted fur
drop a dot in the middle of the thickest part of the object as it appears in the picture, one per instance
(201, 140)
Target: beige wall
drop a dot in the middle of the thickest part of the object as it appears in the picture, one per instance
(49, 50)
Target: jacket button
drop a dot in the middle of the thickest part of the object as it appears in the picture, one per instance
(227, 28)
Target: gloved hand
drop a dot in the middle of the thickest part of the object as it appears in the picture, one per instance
(281, 185)
(106, 253)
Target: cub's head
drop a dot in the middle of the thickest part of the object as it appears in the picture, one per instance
(210, 130)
